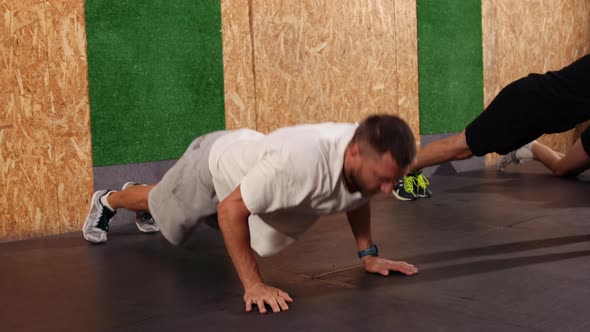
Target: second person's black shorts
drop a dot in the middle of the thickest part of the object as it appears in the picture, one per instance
(530, 107)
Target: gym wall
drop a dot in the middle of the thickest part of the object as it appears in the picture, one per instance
(314, 61)
(45, 148)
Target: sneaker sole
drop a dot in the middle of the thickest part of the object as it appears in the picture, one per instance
(402, 198)
(154, 230)
(87, 226)
(128, 184)
(424, 195)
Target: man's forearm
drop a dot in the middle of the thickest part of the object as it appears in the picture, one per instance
(360, 224)
(232, 215)
(237, 241)
(233, 223)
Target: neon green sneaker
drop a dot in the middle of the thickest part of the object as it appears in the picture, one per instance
(422, 189)
(405, 189)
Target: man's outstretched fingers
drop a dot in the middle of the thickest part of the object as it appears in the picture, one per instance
(285, 296)
(272, 302)
(282, 303)
(405, 268)
(409, 269)
(248, 305)
(261, 306)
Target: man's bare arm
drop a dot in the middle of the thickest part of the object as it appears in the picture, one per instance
(360, 224)
(233, 223)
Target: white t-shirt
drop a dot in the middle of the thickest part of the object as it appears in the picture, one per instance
(287, 178)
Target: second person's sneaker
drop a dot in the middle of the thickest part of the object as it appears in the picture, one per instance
(405, 189)
(143, 220)
(507, 159)
(96, 225)
(422, 185)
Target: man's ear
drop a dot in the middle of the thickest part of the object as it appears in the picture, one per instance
(354, 149)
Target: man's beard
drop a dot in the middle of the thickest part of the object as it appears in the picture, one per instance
(353, 185)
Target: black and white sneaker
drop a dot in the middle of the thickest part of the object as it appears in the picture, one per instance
(143, 220)
(96, 226)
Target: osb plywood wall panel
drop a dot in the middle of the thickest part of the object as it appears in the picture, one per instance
(27, 180)
(520, 37)
(46, 173)
(326, 60)
(406, 41)
(238, 70)
(68, 93)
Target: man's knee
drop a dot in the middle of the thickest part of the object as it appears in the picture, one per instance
(561, 171)
(462, 150)
(145, 195)
(144, 205)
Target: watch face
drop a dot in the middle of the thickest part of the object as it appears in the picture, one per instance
(371, 251)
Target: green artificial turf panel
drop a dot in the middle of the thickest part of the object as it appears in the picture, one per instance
(155, 72)
(450, 64)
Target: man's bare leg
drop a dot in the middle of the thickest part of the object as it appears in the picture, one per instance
(134, 198)
(443, 150)
(575, 161)
(415, 185)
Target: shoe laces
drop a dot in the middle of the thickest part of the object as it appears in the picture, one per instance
(514, 158)
(508, 159)
(422, 181)
(409, 184)
(104, 219)
(146, 218)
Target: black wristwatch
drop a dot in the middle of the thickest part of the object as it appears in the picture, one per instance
(371, 251)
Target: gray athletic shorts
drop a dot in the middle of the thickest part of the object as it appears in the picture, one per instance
(185, 196)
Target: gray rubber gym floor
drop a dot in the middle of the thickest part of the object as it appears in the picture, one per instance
(496, 252)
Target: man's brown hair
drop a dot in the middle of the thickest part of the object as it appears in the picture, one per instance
(388, 133)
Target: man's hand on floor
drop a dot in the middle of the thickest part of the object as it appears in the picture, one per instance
(261, 294)
(383, 266)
